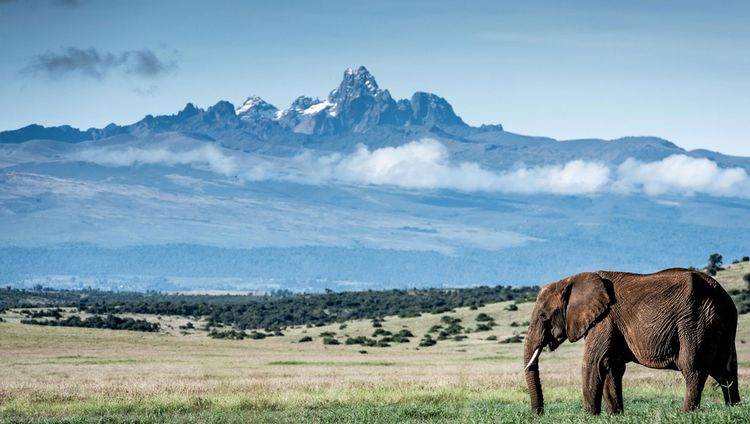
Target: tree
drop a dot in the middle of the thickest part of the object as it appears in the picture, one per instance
(714, 264)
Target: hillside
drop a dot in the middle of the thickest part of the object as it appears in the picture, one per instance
(731, 276)
(355, 191)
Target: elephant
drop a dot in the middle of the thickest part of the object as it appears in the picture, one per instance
(676, 319)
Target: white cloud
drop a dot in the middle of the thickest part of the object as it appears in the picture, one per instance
(426, 164)
(680, 174)
(208, 156)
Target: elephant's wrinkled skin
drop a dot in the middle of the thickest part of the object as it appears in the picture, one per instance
(675, 319)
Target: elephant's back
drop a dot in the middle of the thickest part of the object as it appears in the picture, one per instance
(670, 308)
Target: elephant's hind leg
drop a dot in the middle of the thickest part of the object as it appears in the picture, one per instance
(613, 389)
(694, 382)
(727, 379)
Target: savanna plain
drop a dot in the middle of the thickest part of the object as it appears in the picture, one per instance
(79, 375)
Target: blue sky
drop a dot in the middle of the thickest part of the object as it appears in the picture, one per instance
(566, 69)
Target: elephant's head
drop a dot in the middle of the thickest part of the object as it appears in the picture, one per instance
(564, 310)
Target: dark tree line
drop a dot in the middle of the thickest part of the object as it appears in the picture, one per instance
(247, 312)
(111, 322)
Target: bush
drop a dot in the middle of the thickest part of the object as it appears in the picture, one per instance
(427, 341)
(110, 322)
(305, 339)
(450, 320)
(382, 343)
(516, 338)
(330, 341)
(400, 339)
(511, 307)
(342, 326)
(746, 279)
(360, 340)
(483, 317)
(328, 334)
(483, 327)
(745, 259)
(491, 338)
(405, 333)
(228, 335)
(381, 332)
(256, 335)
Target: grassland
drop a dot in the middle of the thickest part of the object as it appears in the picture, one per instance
(55, 374)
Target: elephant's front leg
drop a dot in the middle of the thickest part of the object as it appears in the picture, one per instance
(593, 386)
(613, 388)
(593, 377)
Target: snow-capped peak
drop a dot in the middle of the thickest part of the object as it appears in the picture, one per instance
(255, 106)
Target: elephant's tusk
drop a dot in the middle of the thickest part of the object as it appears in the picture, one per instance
(533, 358)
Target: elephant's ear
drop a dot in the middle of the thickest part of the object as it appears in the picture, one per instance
(587, 301)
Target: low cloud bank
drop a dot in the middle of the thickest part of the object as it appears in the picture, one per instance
(682, 174)
(426, 164)
(208, 157)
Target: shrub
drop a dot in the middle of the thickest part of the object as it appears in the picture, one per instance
(111, 322)
(482, 317)
(381, 332)
(228, 334)
(491, 338)
(427, 341)
(330, 341)
(459, 337)
(342, 326)
(513, 339)
(483, 327)
(257, 336)
(382, 343)
(450, 320)
(305, 339)
(410, 314)
(328, 334)
(435, 328)
(745, 259)
(360, 340)
(511, 307)
(405, 333)
(746, 279)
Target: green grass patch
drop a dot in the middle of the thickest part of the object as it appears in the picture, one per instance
(345, 364)
(495, 358)
(445, 407)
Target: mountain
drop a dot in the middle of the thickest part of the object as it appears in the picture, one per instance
(358, 190)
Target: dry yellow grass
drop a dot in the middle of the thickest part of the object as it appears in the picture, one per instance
(731, 276)
(57, 371)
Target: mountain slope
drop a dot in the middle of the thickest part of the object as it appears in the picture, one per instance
(358, 190)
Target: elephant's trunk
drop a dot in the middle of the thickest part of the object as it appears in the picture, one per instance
(532, 348)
